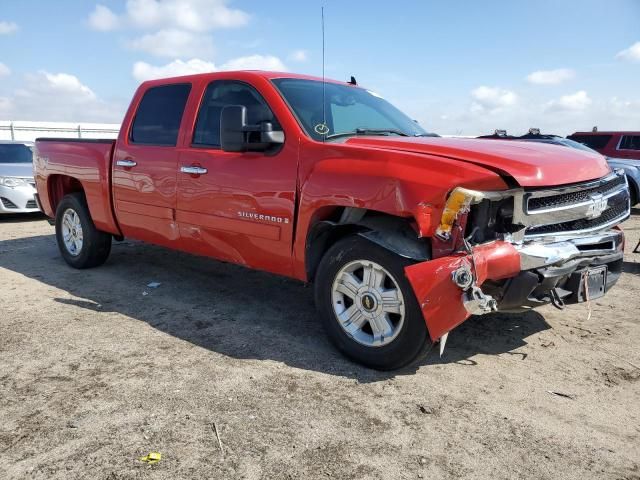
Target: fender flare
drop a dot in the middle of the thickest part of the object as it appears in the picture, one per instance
(391, 233)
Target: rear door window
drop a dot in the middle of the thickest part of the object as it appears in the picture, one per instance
(597, 142)
(157, 121)
(630, 142)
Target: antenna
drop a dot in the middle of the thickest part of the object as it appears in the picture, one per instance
(324, 104)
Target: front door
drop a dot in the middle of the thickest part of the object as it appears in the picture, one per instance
(145, 166)
(236, 206)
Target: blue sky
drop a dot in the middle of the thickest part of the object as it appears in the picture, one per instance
(459, 67)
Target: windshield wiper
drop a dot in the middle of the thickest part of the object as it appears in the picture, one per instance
(368, 131)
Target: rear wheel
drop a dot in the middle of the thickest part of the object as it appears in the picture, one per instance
(367, 305)
(81, 244)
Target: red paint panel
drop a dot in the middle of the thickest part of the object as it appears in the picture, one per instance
(87, 162)
(441, 299)
(243, 227)
(531, 164)
(145, 210)
(495, 261)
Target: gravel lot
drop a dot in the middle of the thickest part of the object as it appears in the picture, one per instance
(97, 370)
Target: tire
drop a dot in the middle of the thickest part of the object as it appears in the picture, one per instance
(86, 246)
(406, 340)
(633, 193)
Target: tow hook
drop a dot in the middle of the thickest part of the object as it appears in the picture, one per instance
(556, 301)
(475, 301)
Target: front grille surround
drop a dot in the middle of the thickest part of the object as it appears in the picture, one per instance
(537, 203)
(573, 209)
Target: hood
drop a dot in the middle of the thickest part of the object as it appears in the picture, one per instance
(530, 164)
(16, 170)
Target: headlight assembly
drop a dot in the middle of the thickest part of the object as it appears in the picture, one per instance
(13, 182)
(459, 202)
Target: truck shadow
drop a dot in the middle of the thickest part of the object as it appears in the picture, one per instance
(231, 310)
(22, 217)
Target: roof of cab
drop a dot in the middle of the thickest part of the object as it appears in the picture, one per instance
(240, 73)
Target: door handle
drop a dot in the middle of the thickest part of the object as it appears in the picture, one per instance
(194, 170)
(126, 163)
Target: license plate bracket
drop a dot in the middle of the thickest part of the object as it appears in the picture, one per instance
(596, 283)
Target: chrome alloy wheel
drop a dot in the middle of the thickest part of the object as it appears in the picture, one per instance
(368, 303)
(72, 232)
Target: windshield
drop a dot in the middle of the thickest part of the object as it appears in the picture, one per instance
(580, 146)
(15, 153)
(349, 110)
(566, 143)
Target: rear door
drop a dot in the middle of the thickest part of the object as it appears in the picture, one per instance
(145, 166)
(241, 207)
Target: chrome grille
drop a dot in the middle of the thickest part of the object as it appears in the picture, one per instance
(574, 209)
(552, 201)
(582, 224)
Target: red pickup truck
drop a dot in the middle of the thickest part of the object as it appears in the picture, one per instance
(404, 234)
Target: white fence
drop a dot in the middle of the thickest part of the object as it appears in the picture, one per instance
(29, 131)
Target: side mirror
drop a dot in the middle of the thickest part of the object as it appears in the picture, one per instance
(237, 136)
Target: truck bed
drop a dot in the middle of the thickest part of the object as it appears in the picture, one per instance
(87, 160)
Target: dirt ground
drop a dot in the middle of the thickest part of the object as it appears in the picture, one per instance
(97, 370)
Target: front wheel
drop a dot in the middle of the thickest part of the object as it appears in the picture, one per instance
(367, 305)
(81, 244)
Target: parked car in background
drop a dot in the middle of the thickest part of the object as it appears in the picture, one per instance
(611, 144)
(17, 186)
(632, 170)
(631, 167)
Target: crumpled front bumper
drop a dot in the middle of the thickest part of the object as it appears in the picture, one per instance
(513, 276)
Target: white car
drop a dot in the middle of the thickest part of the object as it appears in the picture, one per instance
(17, 186)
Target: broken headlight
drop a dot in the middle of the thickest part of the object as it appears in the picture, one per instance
(489, 213)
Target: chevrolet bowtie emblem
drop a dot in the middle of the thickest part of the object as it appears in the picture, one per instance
(597, 206)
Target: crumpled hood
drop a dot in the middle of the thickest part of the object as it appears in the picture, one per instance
(530, 164)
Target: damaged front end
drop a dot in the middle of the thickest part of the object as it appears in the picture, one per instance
(518, 249)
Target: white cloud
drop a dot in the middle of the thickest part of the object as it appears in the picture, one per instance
(144, 71)
(174, 43)
(561, 116)
(550, 77)
(7, 28)
(103, 19)
(631, 54)
(189, 15)
(574, 102)
(171, 28)
(299, 56)
(4, 70)
(492, 99)
(57, 97)
(66, 83)
(255, 62)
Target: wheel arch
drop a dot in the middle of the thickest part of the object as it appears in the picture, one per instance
(390, 232)
(58, 186)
